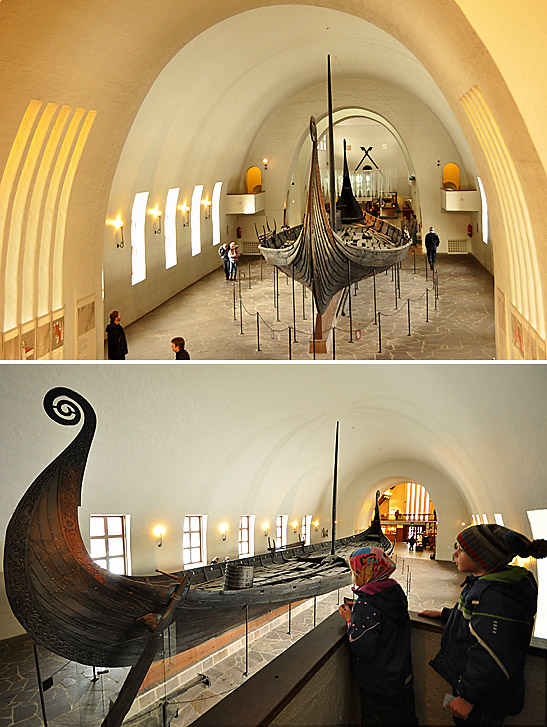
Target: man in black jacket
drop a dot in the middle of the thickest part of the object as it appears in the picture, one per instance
(117, 344)
(432, 242)
(181, 354)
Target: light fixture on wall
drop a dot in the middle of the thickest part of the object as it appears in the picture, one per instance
(294, 525)
(159, 531)
(186, 212)
(223, 529)
(266, 528)
(316, 524)
(265, 162)
(118, 225)
(156, 214)
(207, 207)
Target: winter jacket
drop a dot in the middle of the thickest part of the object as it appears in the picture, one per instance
(379, 639)
(432, 240)
(486, 637)
(117, 344)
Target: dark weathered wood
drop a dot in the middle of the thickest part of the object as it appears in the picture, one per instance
(319, 258)
(86, 614)
(137, 673)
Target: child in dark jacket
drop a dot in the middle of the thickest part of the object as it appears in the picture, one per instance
(379, 640)
(488, 631)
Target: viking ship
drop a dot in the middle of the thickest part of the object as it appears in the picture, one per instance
(323, 261)
(82, 612)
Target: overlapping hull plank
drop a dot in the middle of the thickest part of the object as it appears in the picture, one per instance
(84, 613)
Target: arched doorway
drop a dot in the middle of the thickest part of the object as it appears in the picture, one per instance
(408, 514)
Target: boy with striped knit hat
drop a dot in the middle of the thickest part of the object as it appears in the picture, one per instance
(488, 631)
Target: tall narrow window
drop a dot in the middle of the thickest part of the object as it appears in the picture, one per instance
(109, 542)
(138, 244)
(193, 541)
(306, 529)
(246, 540)
(281, 531)
(195, 219)
(170, 228)
(215, 212)
(484, 208)
(498, 517)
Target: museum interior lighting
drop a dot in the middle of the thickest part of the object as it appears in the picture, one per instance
(159, 531)
(156, 214)
(207, 207)
(223, 529)
(186, 212)
(118, 225)
(266, 528)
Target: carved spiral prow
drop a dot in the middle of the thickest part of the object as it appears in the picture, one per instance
(65, 406)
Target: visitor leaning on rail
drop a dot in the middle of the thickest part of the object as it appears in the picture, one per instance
(379, 641)
(488, 631)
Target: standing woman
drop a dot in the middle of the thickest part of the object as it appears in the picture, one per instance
(117, 344)
(234, 256)
(488, 631)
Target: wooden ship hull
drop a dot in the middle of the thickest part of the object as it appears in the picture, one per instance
(84, 613)
(324, 261)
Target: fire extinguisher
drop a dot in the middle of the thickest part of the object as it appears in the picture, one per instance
(238, 233)
(469, 230)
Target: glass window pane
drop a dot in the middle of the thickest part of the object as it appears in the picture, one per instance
(186, 523)
(117, 565)
(98, 548)
(196, 555)
(195, 540)
(138, 252)
(186, 540)
(186, 555)
(115, 546)
(96, 526)
(101, 563)
(194, 523)
(114, 525)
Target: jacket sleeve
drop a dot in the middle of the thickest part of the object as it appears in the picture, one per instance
(364, 629)
(501, 633)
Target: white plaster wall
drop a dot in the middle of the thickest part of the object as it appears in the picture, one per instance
(226, 440)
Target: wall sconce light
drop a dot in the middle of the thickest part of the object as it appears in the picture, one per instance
(118, 225)
(324, 533)
(186, 212)
(156, 214)
(315, 524)
(223, 529)
(159, 532)
(207, 206)
(265, 162)
(266, 528)
(294, 525)
(463, 525)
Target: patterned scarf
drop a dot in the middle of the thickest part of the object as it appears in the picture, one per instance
(374, 562)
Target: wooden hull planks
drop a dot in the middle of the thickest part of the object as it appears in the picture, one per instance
(83, 613)
(316, 256)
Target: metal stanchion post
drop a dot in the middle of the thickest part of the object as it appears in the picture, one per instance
(234, 290)
(313, 324)
(274, 286)
(289, 631)
(396, 300)
(334, 343)
(239, 282)
(399, 278)
(303, 302)
(257, 331)
(379, 333)
(408, 304)
(277, 301)
(290, 348)
(374, 284)
(349, 299)
(246, 672)
(426, 267)
(427, 305)
(293, 306)
(40, 687)
(414, 260)
(435, 288)
(240, 315)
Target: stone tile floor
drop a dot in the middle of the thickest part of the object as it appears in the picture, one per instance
(207, 315)
(76, 700)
